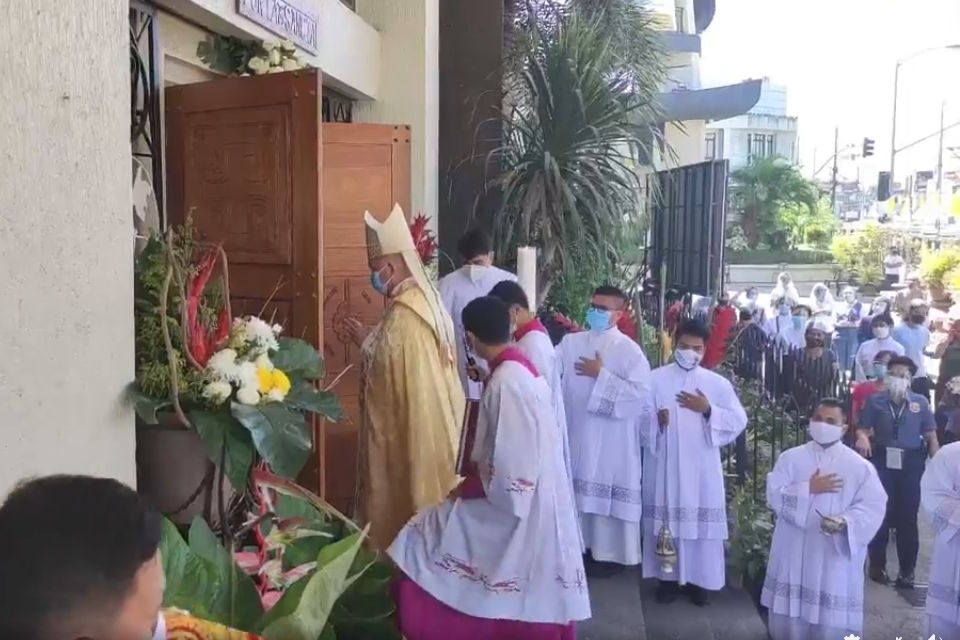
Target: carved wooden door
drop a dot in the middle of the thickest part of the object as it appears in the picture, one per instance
(244, 160)
(366, 167)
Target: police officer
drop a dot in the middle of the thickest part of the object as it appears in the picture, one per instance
(897, 432)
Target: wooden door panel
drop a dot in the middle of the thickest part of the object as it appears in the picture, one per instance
(244, 160)
(365, 168)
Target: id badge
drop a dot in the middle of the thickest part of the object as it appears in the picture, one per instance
(894, 458)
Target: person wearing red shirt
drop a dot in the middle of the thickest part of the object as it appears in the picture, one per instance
(874, 383)
(721, 329)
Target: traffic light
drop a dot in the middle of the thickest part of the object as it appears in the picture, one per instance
(867, 147)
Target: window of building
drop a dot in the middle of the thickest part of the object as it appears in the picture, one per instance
(714, 145)
(680, 15)
(761, 145)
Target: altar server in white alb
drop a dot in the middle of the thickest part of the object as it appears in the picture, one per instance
(532, 339)
(829, 503)
(940, 496)
(606, 388)
(695, 412)
(457, 289)
(501, 558)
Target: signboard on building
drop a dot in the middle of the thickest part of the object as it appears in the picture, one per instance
(295, 20)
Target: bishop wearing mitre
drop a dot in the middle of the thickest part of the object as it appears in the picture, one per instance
(411, 398)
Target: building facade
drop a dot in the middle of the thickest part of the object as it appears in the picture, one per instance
(117, 81)
(765, 130)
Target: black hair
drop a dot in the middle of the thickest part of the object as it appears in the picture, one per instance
(745, 314)
(488, 318)
(833, 403)
(902, 361)
(511, 293)
(473, 244)
(692, 327)
(882, 318)
(801, 306)
(72, 547)
(610, 290)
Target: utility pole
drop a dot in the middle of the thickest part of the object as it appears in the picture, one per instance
(833, 179)
(943, 106)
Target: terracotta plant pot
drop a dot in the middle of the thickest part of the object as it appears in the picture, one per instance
(939, 296)
(172, 463)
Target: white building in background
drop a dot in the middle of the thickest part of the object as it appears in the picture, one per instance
(765, 130)
(687, 106)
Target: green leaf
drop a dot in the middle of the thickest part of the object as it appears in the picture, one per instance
(280, 435)
(189, 579)
(297, 358)
(320, 591)
(146, 407)
(215, 426)
(246, 608)
(305, 397)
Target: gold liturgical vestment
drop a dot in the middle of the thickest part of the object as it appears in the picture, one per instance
(413, 405)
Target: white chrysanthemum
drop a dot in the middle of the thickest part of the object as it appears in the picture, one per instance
(277, 329)
(217, 391)
(270, 46)
(274, 57)
(223, 365)
(290, 64)
(248, 395)
(263, 362)
(276, 395)
(259, 65)
(288, 46)
(247, 375)
(261, 334)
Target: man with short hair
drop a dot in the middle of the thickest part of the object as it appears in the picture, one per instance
(892, 267)
(500, 559)
(897, 432)
(914, 337)
(457, 289)
(606, 387)
(829, 504)
(696, 413)
(80, 560)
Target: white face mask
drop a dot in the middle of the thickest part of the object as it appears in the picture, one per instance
(687, 359)
(824, 433)
(897, 386)
(473, 271)
(161, 631)
(881, 333)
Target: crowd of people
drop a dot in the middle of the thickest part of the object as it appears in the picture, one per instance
(498, 471)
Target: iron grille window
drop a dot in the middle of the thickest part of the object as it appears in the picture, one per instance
(761, 145)
(680, 14)
(146, 138)
(336, 107)
(712, 152)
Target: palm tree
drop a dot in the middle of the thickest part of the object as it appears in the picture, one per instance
(568, 163)
(761, 190)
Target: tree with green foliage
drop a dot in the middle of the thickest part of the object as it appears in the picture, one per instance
(809, 227)
(762, 191)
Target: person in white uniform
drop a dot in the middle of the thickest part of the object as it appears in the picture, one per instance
(606, 387)
(471, 281)
(505, 546)
(940, 497)
(695, 412)
(829, 503)
(531, 337)
(882, 340)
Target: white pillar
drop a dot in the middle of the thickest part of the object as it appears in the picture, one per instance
(527, 273)
(66, 245)
(409, 87)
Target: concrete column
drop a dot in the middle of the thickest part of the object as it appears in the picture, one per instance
(408, 93)
(66, 245)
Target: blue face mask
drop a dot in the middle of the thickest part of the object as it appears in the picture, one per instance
(879, 370)
(598, 319)
(378, 284)
(799, 321)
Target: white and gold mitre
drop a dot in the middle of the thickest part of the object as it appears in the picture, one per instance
(390, 236)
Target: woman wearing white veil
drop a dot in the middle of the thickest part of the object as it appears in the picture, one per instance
(822, 305)
(785, 290)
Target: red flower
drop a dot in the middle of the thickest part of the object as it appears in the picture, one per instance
(204, 341)
(424, 239)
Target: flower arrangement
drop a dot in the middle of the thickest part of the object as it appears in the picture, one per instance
(234, 56)
(426, 242)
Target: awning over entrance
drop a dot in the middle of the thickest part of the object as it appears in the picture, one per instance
(715, 103)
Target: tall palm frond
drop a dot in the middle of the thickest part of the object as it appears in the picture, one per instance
(762, 189)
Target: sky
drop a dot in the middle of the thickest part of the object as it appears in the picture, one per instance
(837, 59)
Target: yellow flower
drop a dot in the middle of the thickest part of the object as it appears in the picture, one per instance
(280, 381)
(264, 379)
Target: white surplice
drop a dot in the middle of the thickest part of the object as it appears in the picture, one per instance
(604, 417)
(683, 478)
(814, 584)
(513, 554)
(538, 347)
(457, 290)
(863, 361)
(940, 496)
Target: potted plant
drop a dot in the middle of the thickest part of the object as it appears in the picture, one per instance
(934, 267)
(213, 393)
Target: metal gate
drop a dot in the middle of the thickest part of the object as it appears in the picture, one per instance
(688, 216)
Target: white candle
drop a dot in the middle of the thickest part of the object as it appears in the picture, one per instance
(527, 273)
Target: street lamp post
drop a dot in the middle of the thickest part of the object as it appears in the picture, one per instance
(896, 82)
